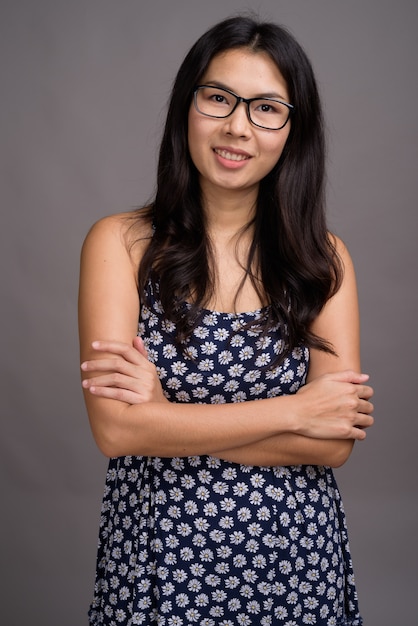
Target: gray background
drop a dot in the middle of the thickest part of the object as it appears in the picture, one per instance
(83, 91)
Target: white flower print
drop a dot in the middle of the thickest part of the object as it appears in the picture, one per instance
(220, 487)
(197, 569)
(252, 376)
(190, 353)
(228, 504)
(246, 353)
(168, 589)
(210, 319)
(201, 332)
(182, 600)
(279, 346)
(254, 529)
(287, 376)
(173, 383)
(257, 389)
(186, 554)
(210, 509)
(222, 568)
(253, 607)
(263, 360)
(240, 396)
(218, 399)
(217, 535)
(206, 365)
(182, 396)
(179, 368)
(237, 324)
(169, 351)
(226, 522)
(263, 342)
(202, 493)
(194, 585)
(236, 370)
(184, 529)
(161, 372)
(225, 357)
(256, 497)
(194, 378)
(237, 537)
(156, 337)
(273, 373)
(200, 392)
(220, 334)
(216, 379)
(187, 481)
(237, 341)
(240, 489)
(209, 347)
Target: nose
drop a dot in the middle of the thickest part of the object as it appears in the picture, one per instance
(238, 122)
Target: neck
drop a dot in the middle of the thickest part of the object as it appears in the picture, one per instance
(229, 212)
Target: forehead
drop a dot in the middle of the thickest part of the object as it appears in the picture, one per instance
(247, 72)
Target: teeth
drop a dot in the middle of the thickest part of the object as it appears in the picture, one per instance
(232, 156)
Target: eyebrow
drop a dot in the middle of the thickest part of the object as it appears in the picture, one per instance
(268, 94)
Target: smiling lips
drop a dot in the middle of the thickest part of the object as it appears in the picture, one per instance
(232, 156)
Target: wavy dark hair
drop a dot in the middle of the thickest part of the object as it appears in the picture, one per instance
(291, 251)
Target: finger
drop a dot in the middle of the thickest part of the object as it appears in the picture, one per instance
(114, 393)
(138, 344)
(113, 379)
(364, 406)
(365, 392)
(349, 376)
(359, 434)
(110, 365)
(125, 350)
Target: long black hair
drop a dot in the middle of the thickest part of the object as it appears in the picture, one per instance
(294, 255)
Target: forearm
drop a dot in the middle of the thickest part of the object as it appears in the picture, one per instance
(333, 407)
(290, 449)
(173, 429)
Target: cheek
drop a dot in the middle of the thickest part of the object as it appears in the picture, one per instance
(275, 147)
(194, 136)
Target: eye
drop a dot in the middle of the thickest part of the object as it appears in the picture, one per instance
(218, 98)
(267, 107)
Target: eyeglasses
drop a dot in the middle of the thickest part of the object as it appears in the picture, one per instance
(218, 102)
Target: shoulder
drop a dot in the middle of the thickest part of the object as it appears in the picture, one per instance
(343, 258)
(339, 247)
(122, 234)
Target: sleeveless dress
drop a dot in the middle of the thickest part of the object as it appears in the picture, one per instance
(198, 541)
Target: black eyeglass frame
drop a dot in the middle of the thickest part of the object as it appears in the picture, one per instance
(240, 99)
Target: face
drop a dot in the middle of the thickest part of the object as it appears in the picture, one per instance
(231, 153)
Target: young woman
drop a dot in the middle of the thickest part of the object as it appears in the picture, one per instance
(224, 416)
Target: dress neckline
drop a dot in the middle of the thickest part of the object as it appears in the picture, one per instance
(258, 313)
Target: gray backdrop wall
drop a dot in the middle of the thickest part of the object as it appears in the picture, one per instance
(83, 92)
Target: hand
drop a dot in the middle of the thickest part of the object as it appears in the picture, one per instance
(127, 376)
(336, 406)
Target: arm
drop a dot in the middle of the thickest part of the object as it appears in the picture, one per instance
(338, 323)
(109, 308)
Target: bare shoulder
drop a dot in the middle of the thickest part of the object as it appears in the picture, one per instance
(342, 252)
(122, 234)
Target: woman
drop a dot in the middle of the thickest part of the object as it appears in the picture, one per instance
(224, 417)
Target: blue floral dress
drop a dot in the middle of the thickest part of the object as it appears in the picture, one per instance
(198, 541)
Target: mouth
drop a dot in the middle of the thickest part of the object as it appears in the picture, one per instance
(231, 156)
